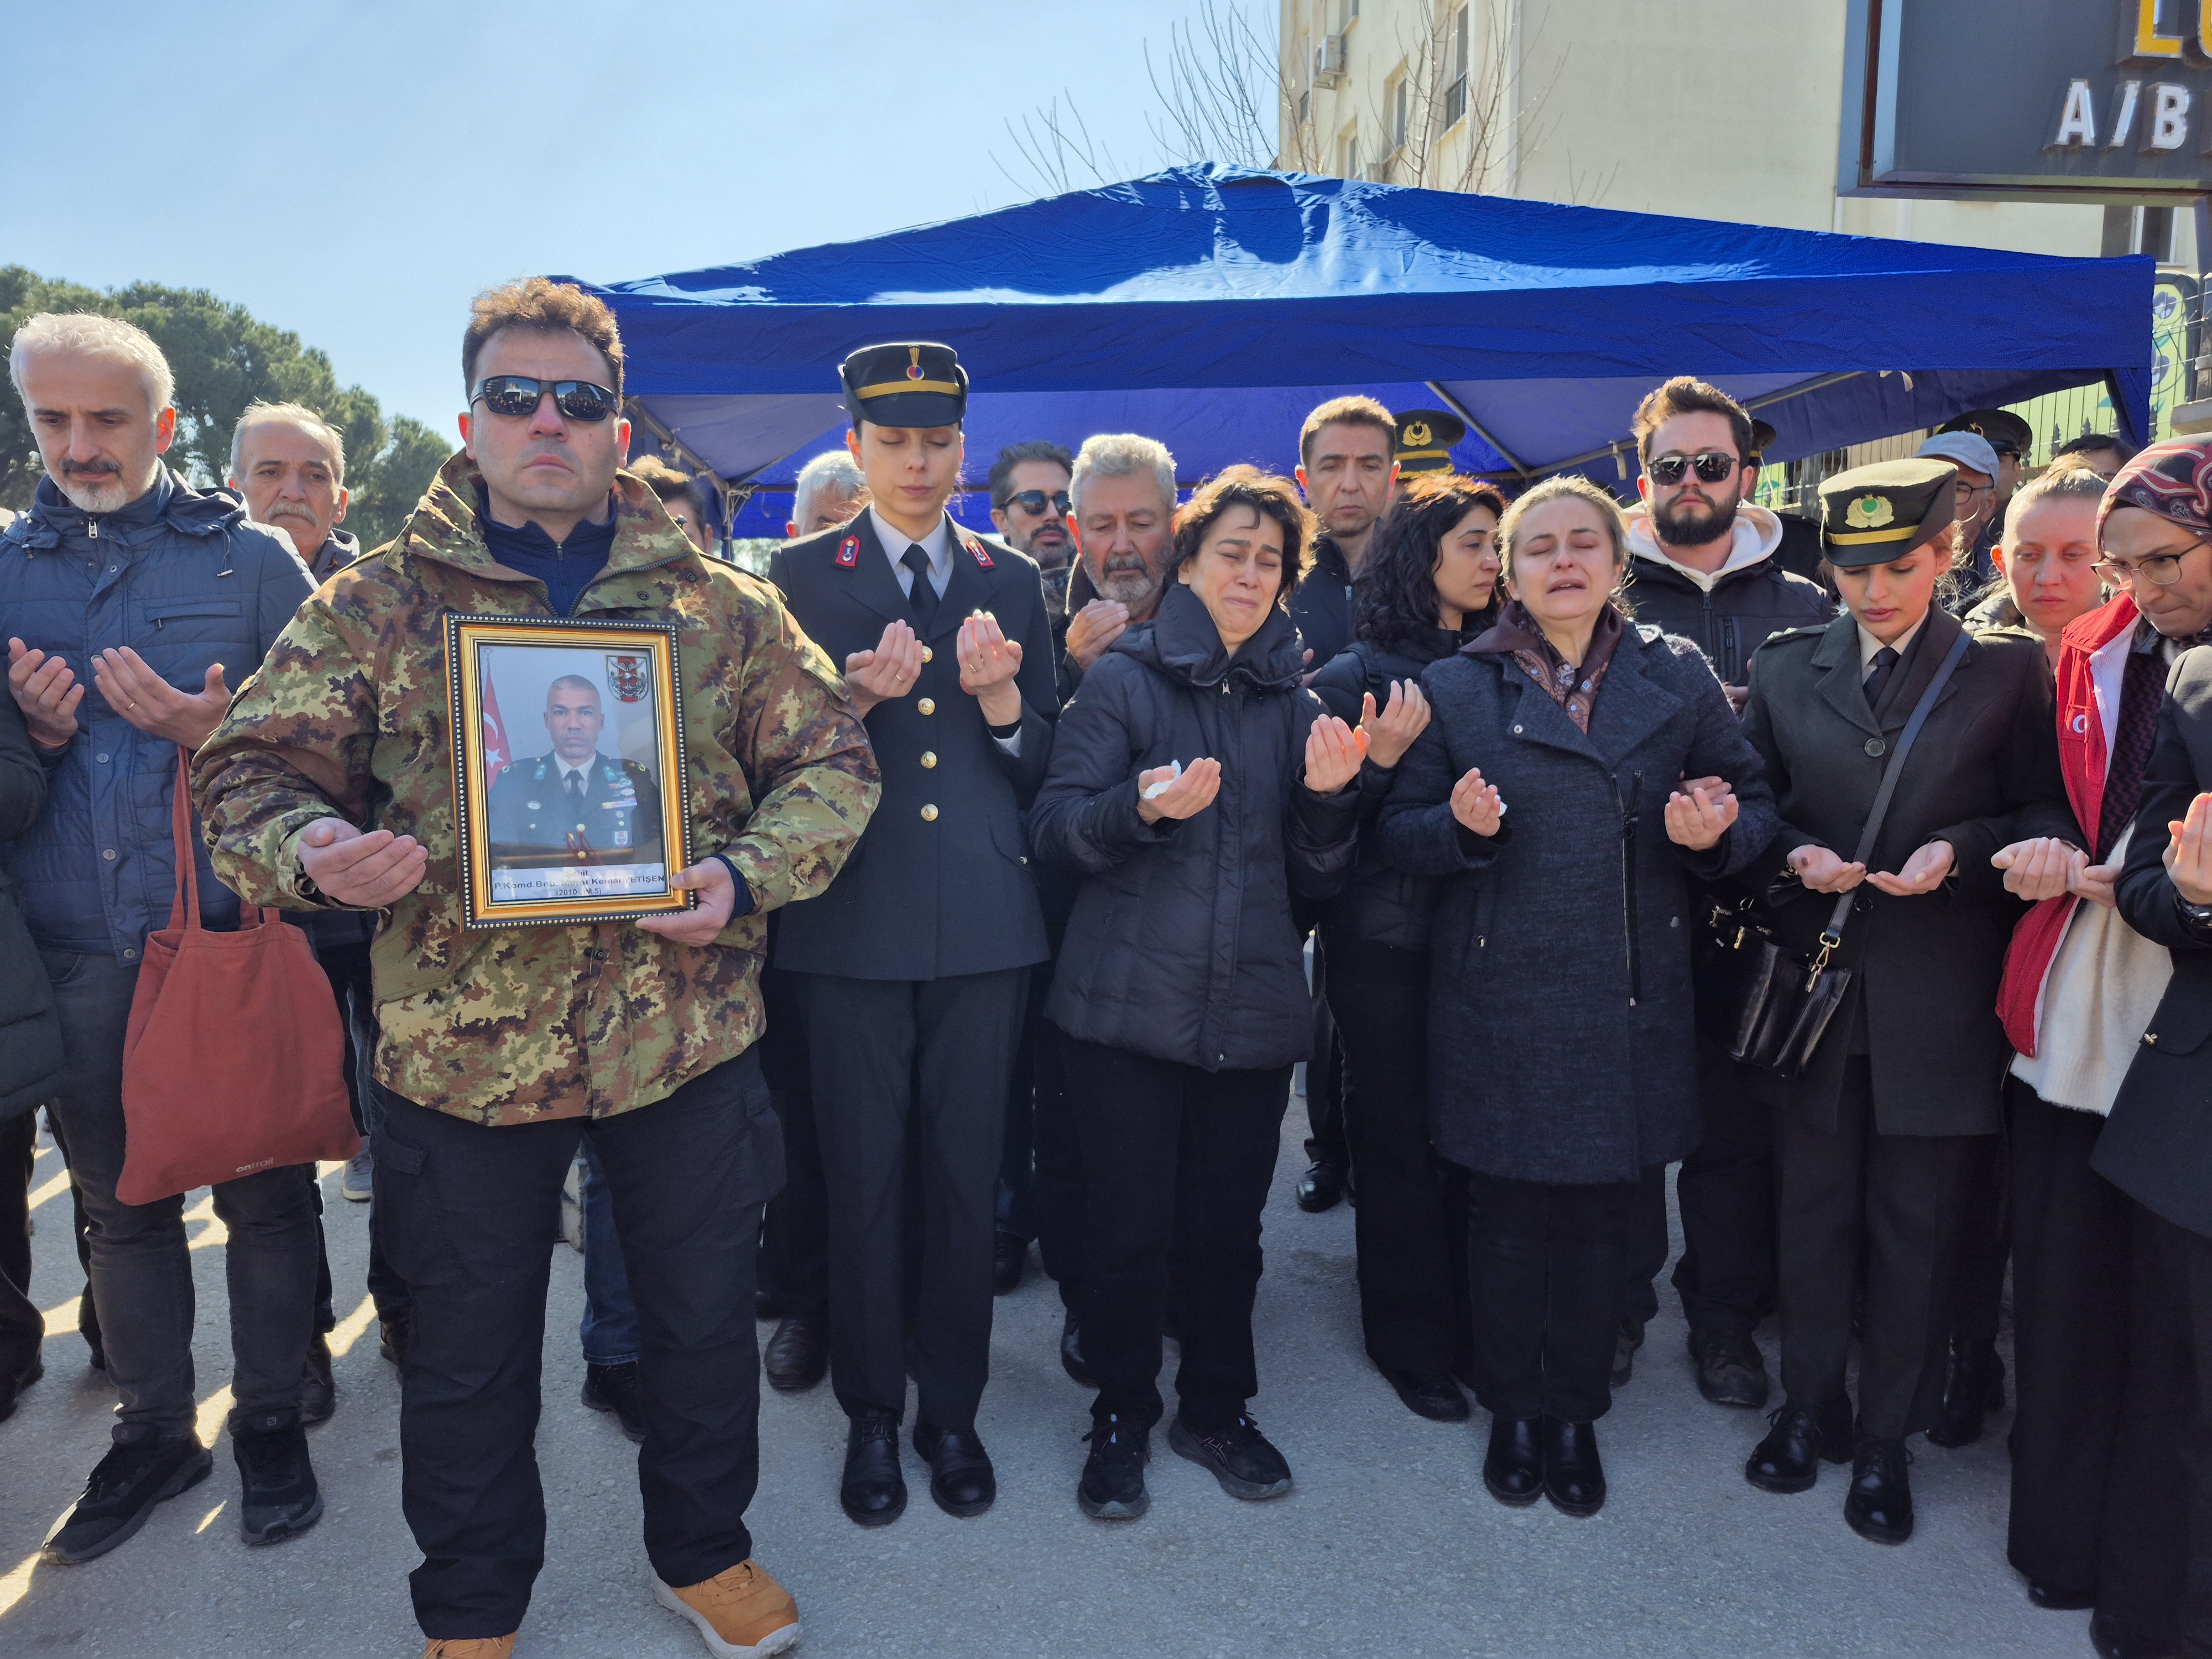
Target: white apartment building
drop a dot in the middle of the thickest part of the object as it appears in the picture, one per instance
(1712, 109)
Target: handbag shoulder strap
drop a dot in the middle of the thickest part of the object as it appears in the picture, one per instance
(184, 908)
(1834, 932)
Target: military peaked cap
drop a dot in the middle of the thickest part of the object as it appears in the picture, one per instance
(2004, 430)
(1872, 514)
(913, 383)
(1762, 438)
(1426, 437)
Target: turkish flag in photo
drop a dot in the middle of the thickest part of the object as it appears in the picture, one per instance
(497, 757)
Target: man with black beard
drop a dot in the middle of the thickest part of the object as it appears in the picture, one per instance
(1703, 563)
(1030, 506)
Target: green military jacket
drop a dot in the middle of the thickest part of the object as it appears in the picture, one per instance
(349, 716)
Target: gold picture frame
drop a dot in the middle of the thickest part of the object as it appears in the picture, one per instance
(591, 826)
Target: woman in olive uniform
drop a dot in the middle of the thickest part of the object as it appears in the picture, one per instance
(1870, 1142)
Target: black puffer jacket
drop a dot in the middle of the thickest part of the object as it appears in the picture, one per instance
(1738, 616)
(1382, 903)
(30, 1030)
(1181, 946)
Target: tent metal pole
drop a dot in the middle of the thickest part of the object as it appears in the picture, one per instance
(1475, 425)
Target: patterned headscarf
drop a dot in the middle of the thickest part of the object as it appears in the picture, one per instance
(2174, 480)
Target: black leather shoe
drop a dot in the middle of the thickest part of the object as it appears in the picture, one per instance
(391, 1338)
(1010, 1257)
(1113, 1484)
(122, 1491)
(278, 1498)
(798, 1354)
(874, 1491)
(1240, 1457)
(1432, 1394)
(960, 1478)
(1880, 1504)
(2057, 1598)
(1574, 1480)
(613, 1389)
(1972, 1385)
(1070, 1352)
(1513, 1468)
(1789, 1459)
(1624, 1349)
(1321, 1187)
(1731, 1371)
(319, 1393)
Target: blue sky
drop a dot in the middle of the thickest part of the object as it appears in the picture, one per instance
(355, 172)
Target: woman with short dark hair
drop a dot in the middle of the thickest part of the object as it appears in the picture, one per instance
(1561, 1063)
(1427, 585)
(1195, 785)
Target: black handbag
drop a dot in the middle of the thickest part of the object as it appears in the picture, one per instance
(1765, 1003)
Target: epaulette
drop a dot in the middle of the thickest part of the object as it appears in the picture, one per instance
(1792, 634)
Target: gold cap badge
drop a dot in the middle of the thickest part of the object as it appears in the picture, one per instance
(1869, 513)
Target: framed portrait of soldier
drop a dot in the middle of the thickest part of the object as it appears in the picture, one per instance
(567, 769)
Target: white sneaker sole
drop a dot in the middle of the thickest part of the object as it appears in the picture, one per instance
(777, 1641)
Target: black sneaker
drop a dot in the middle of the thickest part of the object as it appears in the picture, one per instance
(318, 1391)
(614, 1389)
(1113, 1484)
(1240, 1456)
(124, 1488)
(280, 1498)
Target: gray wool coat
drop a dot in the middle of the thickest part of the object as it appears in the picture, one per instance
(1560, 1036)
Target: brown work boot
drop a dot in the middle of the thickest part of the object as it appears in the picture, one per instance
(742, 1613)
(469, 1647)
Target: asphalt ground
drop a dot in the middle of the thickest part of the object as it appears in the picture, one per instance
(1387, 1545)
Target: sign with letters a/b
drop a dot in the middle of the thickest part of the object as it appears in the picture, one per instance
(2102, 100)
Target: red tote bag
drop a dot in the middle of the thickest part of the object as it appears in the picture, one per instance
(234, 1061)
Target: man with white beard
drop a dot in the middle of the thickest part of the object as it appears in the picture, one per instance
(135, 604)
(1123, 502)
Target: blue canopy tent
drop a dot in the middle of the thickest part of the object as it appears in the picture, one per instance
(1211, 306)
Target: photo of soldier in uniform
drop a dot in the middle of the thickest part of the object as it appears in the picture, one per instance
(581, 816)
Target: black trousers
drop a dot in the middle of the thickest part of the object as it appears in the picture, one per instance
(1410, 1224)
(1546, 1264)
(1056, 1187)
(1647, 1245)
(1326, 1142)
(1725, 1191)
(2155, 1584)
(22, 1327)
(469, 1214)
(1176, 1162)
(1015, 1211)
(2070, 1275)
(911, 1067)
(1853, 1193)
(141, 1270)
(794, 1265)
(347, 967)
(1984, 1243)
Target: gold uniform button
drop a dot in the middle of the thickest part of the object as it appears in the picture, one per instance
(928, 758)
(928, 655)
(929, 815)
(928, 705)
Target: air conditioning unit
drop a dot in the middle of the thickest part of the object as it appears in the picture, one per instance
(1328, 62)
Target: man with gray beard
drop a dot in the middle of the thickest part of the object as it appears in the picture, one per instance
(1123, 502)
(135, 603)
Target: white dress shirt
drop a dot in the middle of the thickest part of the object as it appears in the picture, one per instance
(1870, 647)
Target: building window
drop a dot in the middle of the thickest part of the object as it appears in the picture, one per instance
(1401, 111)
(1455, 88)
(1348, 154)
(1305, 105)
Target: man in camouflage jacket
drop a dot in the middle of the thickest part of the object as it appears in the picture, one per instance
(500, 1050)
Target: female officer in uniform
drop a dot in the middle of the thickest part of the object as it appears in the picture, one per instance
(1869, 1142)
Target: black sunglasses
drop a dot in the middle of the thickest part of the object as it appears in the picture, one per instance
(1712, 466)
(517, 394)
(1036, 501)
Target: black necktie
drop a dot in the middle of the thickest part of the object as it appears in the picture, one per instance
(924, 597)
(575, 788)
(1885, 663)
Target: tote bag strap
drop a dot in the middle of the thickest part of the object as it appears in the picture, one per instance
(1832, 935)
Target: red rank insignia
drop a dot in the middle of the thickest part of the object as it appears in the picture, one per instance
(848, 552)
(981, 558)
